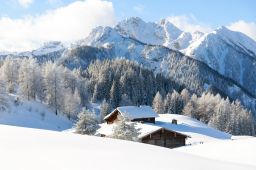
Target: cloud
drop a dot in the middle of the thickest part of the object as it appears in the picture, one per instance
(55, 2)
(248, 28)
(139, 8)
(25, 3)
(189, 23)
(66, 24)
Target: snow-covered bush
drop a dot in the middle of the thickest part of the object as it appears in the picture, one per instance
(87, 123)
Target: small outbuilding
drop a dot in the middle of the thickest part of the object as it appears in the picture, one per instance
(155, 135)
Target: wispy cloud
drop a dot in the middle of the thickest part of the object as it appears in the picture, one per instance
(189, 23)
(139, 8)
(25, 3)
(248, 28)
(66, 24)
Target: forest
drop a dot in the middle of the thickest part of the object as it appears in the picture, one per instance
(113, 83)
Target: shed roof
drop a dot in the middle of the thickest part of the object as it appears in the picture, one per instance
(135, 112)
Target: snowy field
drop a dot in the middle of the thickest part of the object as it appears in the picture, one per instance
(29, 140)
(30, 149)
(241, 150)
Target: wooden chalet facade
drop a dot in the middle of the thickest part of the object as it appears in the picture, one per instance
(151, 133)
(165, 138)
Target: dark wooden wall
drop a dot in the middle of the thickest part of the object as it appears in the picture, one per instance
(144, 120)
(112, 118)
(165, 138)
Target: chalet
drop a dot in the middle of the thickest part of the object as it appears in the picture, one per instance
(160, 136)
(151, 131)
(141, 114)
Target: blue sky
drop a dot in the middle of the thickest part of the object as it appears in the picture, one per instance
(26, 24)
(210, 12)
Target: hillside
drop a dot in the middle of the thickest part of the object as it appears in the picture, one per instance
(31, 149)
(33, 114)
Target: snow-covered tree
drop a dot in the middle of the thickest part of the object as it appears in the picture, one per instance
(125, 100)
(87, 123)
(9, 73)
(115, 95)
(4, 103)
(53, 85)
(30, 80)
(125, 130)
(158, 104)
(71, 103)
(173, 103)
(105, 109)
(191, 108)
(185, 96)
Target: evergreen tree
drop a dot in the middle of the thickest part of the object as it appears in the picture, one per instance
(126, 130)
(105, 109)
(125, 100)
(87, 123)
(115, 96)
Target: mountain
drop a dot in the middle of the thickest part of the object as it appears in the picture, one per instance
(222, 61)
(107, 42)
(51, 50)
(232, 54)
(163, 33)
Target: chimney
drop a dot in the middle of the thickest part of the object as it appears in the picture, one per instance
(174, 121)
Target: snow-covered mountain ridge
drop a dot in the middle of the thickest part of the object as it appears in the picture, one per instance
(230, 53)
(222, 60)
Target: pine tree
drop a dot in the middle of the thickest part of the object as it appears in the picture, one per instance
(115, 95)
(87, 123)
(158, 104)
(126, 130)
(125, 100)
(105, 109)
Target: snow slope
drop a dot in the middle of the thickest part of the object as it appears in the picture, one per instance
(33, 115)
(30, 149)
(240, 150)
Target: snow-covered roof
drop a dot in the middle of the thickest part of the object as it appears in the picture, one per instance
(196, 130)
(145, 129)
(134, 112)
(149, 128)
